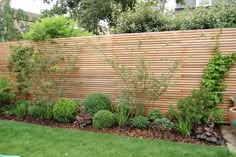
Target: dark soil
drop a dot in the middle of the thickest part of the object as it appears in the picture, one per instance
(173, 135)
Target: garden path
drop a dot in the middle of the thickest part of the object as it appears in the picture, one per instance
(230, 137)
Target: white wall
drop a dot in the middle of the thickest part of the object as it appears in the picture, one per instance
(170, 5)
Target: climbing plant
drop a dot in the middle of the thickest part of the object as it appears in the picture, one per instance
(213, 78)
(202, 105)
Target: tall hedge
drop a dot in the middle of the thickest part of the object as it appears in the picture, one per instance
(146, 18)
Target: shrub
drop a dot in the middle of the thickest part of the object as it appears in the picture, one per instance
(53, 27)
(103, 119)
(146, 18)
(122, 113)
(6, 96)
(154, 114)
(65, 110)
(139, 122)
(199, 107)
(9, 110)
(21, 108)
(163, 124)
(195, 109)
(216, 115)
(36, 111)
(79, 103)
(41, 109)
(172, 114)
(97, 101)
(219, 15)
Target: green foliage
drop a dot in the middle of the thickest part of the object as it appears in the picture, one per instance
(195, 109)
(90, 12)
(122, 113)
(21, 108)
(53, 27)
(36, 111)
(220, 15)
(47, 76)
(97, 101)
(8, 31)
(65, 110)
(202, 105)
(139, 122)
(184, 127)
(6, 96)
(213, 78)
(154, 114)
(20, 64)
(78, 102)
(216, 115)
(172, 114)
(198, 107)
(41, 109)
(139, 86)
(163, 124)
(146, 18)
(37, 71)
(103, 119)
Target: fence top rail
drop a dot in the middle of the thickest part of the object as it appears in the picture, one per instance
(138, 34)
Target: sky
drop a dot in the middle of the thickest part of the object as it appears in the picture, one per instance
(36, 6)
(33, 6)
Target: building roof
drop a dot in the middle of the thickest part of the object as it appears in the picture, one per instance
(32, 16)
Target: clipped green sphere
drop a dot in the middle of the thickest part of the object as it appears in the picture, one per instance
(97, 101)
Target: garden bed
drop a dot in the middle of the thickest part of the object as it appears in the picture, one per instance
(172, 135)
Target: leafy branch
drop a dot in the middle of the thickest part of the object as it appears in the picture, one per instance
(140, 86)
(38, 70)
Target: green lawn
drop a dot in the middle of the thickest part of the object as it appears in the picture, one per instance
(30, 140)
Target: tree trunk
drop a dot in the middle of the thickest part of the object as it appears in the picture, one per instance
(163, 5)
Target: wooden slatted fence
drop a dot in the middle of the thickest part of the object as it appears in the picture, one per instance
(192, 48)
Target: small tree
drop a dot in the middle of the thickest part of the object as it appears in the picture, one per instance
(38, 71)
(8, 31)
(140, 87)
(89, 12)
(53, 27)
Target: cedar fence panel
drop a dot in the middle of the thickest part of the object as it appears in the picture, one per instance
(192, 48)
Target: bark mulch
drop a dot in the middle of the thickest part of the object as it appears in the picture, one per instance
(173, 135)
